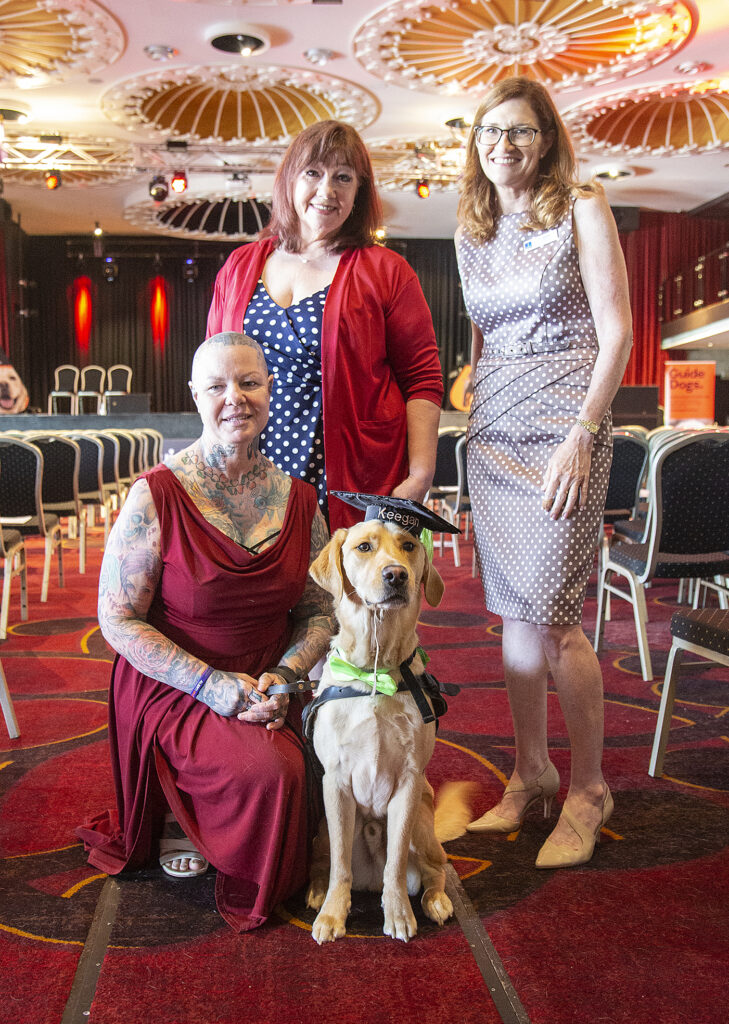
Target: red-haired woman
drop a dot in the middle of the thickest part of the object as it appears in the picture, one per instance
(344, 326)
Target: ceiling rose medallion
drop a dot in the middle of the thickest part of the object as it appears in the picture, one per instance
(233, 104)
(465, 46)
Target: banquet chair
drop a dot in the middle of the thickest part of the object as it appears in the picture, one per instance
(6, 703)
(118, 382)
(12, 552)
(153, 446)
(699, 631)
(91, 491)
(689, 529)
(111, 485)
(126, 475)
(59, 490)
(92, 386)
(65, 386)
(627, 471)
(443, 491)
(21, 483)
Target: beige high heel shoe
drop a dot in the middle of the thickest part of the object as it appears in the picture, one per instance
(552, 855)
(545, 787)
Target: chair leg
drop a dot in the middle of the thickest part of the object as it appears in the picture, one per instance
(23, 573)
(603, 580)
(7, 705)
(641, 617)
(46, 568)
(82, 542)
(5, 606)
(665, 712)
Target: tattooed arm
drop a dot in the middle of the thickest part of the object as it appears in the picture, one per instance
(314, 624)
(130, 574)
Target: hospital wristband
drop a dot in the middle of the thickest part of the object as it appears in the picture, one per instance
(201, 681)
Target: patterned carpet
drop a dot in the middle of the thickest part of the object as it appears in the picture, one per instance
(639, 935)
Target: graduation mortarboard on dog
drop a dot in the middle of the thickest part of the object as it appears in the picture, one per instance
(403, 512)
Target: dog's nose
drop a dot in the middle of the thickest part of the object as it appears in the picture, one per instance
(395, 575)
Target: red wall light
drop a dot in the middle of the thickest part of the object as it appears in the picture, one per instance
(159, 312)
(82, 311)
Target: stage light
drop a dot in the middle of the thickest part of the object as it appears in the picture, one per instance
(111, 269)
(98, 230)
(423, 188)
(158, 188)
(190, 270)
(52, 180)
(178, 182)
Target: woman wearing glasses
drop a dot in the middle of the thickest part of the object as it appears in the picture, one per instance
(546, 290)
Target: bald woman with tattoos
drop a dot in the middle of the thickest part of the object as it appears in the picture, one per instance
(205, 596)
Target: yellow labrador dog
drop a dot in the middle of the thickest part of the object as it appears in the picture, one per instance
(379, 832)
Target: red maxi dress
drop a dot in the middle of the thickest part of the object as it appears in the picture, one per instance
(238, 790)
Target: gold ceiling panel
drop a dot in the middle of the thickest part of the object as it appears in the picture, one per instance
(47, 41)
(236, 104)
(465, 46)
(212, 217)
(676, 118)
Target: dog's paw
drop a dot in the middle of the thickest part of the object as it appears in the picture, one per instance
(316, 895)
(400, 921)
(437, 906)
(328, 927)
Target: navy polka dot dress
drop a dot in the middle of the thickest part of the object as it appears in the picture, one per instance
(291, 340)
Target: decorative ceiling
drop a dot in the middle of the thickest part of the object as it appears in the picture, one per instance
(236, 103)
(458, 46)
(43, 42)
(116, 93)
(656, 120)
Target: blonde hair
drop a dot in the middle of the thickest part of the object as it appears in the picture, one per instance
(556, 182)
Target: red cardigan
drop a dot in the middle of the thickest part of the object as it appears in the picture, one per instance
(378, 352)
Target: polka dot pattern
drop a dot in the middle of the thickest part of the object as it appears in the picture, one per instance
(291, 340)
(524, 291)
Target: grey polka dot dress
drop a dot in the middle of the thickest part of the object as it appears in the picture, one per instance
(523, 289)
(291, 340)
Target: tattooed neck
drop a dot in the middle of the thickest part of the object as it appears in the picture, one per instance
(211, 466)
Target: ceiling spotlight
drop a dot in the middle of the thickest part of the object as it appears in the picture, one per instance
(158, 51)
(52, 180)
(158, 188)
(244, 43)
(178, 182)
(98, 230)
(693, 67)
(613, 172)
(423, 188)
(190, 270)
(17, 113)
(111, 270)
(318, 55)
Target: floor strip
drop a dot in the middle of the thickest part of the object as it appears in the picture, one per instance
(484, 952)
(83, 989)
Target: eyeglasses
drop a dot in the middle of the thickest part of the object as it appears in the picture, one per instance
(490, 135)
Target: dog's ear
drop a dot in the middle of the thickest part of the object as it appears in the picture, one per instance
(327, 569)
(434, 586)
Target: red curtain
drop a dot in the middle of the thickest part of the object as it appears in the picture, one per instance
(663, 244)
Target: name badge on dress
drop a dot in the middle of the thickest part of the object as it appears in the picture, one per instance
(542, 239)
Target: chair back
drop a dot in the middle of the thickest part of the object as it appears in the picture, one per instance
(689, 484)
(119, 379)
(21, 477)
(462, 495)
(125, 444)
(92, 379)
(91, 467)
(630, 458)
(65, 378)
(61, 461)
(446, 464)
(153, 446)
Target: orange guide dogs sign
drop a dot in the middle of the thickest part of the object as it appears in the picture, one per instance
(690, 392)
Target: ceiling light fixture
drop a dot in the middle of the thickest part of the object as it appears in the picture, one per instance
(178, 182)
(246, 42)
(318, 55)
(52, 180)
(693, 67)
(16, 113)
(612, 173)
(158, 188)
(159, 51)
(98, 230)
(423, 189)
